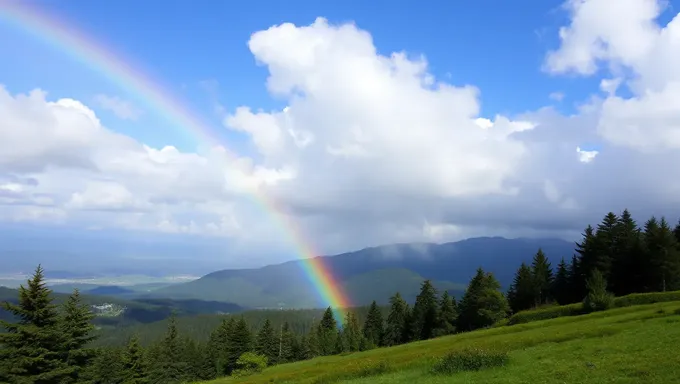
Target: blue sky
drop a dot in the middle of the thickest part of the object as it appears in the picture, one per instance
(497, 46)
(367, 155)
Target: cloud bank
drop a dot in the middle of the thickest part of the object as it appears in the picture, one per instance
(374, 149)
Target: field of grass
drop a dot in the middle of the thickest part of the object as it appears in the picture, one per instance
(636, 344)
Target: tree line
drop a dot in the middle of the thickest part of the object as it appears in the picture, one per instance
(54, 345)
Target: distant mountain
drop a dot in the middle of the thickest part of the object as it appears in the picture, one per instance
(109, 290)
(371, 273)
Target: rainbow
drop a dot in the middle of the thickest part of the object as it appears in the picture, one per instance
(134, 81)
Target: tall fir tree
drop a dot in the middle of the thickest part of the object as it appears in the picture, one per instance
(447, 315)
(425, 312)
(605, 242)
(267, 344)
(169, 365)
(542, 276)
(521, 294)
(327, 333)
(33, 347)
(663, 256)
(134, 365)
(676, 232)
(288, 347)
(560, 285)
(351, 333)
(77, 329)
(483, 304)
(239, 341)
(397, 327)
(374, 327)
(628, 257)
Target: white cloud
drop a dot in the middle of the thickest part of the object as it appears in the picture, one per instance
(373, 149)
(121, 108)
(556, 96)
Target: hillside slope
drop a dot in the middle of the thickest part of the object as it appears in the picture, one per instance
(625, 345)
(371, 273)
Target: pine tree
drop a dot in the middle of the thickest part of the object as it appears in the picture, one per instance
(521, 294)
(676, 232)
(134, 366)
(605, 242)
(447, 315)
(396, 329)
(288, 345)
(483, 304)
(170, 365)
(77, 329)
(239, 341)
(425, 312)
(106, 367)
(374, 327)
(33, 347)
(327, 333)
(663, 255)
(267, 344)
(598, 299)
(351, 333)
(560, 286)
(542, 276)
(628, 258)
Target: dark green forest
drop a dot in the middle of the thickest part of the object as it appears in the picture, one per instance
(50, 343)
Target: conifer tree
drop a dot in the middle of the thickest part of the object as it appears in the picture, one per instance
(396, 330)
(542, 276)
(33, 347)
(288, 347)
(351, 333)
(169, 364)
(521, 294)
(605, 241)
(597, 299)
(77, 330)
(425, 312)
(267, 344)
(560, 286)
(374, 327)
(576, 280)
(107, 367)
(628, 258)
(676, 232)
(663, 256)
(483, 304)
(327, 333)
(447, 315)
(239, 341)
(134, 365)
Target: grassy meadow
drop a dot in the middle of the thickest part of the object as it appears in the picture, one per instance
(638, 344)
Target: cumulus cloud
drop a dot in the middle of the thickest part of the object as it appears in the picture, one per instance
(373, 149)
(121, 108)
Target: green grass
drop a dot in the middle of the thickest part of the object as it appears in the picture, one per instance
(624, 345)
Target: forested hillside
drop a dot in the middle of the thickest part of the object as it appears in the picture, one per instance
(614, 258)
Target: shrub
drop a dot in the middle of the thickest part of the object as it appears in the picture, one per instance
(469, 360)
(250, 363)
(598, 299)
(646, 298)
(546, 313)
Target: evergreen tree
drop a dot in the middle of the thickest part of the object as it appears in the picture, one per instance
(483, 304)
(447, 315)
(628, 258)
(169, 364)
(521, 294)
(374, 327)
(33, 347)
(77, 330)
(396, 330)
(542, 276)
(663, 270)
(134, 367)
(598, 299)
(327, 333)
(239, 341)
(605, 242)
(288, 348)
(351, 333)
(560, 286)
(267, 344)
(676, 232)
(425, 312)
(106, 367)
